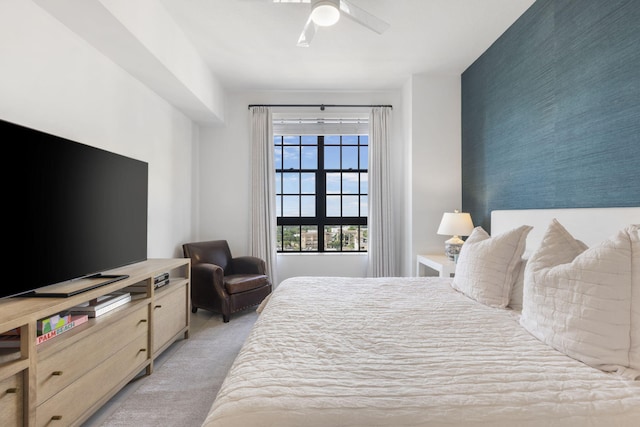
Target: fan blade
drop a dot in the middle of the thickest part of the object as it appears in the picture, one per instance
(363, 17)
(307, 33)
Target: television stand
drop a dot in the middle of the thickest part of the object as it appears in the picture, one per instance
(75, 287)
(63, 381)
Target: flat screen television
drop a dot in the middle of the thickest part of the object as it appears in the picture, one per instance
(74, 211)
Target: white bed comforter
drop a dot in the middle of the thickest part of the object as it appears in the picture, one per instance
(407, 352)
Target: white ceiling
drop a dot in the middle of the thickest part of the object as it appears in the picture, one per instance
(251, 44)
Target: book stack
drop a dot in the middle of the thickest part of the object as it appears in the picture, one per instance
(158, 281)
(103, 304)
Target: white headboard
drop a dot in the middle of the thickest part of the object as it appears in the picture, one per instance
(591, 225)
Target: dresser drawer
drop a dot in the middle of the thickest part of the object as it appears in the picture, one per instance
(169, 315)
(72, 402)
(11, 396)
(58, 370)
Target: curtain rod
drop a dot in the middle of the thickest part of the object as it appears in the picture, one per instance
(322, 106)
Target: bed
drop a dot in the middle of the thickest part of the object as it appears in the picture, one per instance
(401, 352)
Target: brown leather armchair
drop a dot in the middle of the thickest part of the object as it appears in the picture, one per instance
(224, 284)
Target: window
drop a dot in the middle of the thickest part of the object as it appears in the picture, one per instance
(321, 192)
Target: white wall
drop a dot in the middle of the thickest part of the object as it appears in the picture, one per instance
(436, 157)
(52, 80)
(406, 243)
(225, 177)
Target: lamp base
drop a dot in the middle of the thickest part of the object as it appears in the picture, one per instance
(452, 247)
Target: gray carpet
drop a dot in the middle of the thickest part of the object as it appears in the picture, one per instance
(185, 380)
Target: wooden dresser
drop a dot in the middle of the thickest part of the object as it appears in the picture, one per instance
(63, 381)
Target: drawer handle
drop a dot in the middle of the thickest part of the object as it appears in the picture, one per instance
(56, 418)
(158, 306)
(142, 350)
(143, 321)
(56, 373)
(12, 390)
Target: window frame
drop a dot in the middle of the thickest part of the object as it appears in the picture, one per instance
(321, 220)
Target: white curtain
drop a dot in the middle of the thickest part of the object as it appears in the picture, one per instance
(262, 232)
(382, 254)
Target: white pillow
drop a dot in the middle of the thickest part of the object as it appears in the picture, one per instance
(515, 299)
(579, 301)
(487, 266)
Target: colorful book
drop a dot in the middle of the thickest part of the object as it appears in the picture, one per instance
(76, 320)
(51, 323)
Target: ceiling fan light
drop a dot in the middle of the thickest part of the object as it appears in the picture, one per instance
(325, 12)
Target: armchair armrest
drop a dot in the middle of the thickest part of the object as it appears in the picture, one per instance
(205, 277)
(248, 265)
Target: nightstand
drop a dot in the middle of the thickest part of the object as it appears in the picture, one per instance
(440, 263)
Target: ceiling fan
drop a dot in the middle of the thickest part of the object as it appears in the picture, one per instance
(325, 13)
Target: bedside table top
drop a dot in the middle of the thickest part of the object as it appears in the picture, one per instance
(435, 259)
(439, 262)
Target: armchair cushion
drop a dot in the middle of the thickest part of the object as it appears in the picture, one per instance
(237, 283)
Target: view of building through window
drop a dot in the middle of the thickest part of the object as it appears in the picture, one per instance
(321, 193)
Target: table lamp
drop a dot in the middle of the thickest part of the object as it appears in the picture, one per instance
(455, 224)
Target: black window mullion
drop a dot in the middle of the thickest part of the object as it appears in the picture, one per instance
(321, 191)
(359, 185)
(341, 189)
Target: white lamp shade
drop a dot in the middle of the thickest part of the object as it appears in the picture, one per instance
(456, 224)
(325, 12)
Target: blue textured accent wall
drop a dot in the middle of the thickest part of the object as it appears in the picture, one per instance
(551, 111)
